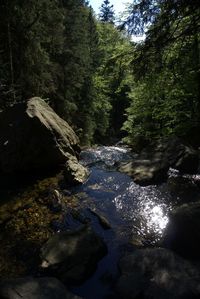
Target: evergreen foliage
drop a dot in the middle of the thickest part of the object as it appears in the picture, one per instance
(94, 76)
(166, 93)
(106, 12)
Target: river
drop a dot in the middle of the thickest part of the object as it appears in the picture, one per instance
(137, 215)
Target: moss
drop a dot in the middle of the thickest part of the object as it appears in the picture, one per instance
(26, 223)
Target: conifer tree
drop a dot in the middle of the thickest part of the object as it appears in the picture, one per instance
(106, 12)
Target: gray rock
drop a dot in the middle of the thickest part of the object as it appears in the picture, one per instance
(188, 162)
(153, 163)
(34, 288)
(146, 172)
(75, 173)
(185, 188)
(74, 254)
(157, 274)
(34, 137)
(183, 231)
(103, 221)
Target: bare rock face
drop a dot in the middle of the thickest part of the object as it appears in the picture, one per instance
(34, 288)
(35, 138)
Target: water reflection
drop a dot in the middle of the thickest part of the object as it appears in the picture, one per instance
(138, 215)
(130, 208)
(146, 207)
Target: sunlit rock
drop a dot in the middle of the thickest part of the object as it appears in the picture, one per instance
(74, 172)
(34, 139)
(153, 163)
(146, 172)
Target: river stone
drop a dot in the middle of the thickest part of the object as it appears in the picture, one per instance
(182, 233)
(75, 173)
(157, 274)
(185, 188)
(73, 255)
(188, 161)
(153, 163)
(35, 138)
(146, 172)
(34, 288)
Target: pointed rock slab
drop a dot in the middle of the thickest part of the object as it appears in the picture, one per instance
(157, 274)
(34, 288)
(35, 138)
(73, 255)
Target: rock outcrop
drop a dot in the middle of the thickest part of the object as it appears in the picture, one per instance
(34, 138)
(73, 255)
(34, 288)
(157, 273)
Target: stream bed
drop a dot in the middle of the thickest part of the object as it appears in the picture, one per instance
(137, 215)
(125, 215)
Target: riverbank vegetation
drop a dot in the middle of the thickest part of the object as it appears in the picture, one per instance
(95, 76)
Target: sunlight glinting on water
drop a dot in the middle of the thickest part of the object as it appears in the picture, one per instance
(146, 205)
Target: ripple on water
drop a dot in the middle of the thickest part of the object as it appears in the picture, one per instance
(135, 213)
(143, 210)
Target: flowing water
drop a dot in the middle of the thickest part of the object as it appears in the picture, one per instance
(137, 215)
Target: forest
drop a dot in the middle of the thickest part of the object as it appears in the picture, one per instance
(99, 150)
(91, 72)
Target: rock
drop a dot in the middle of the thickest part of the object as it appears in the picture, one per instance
(153, 163)
(157, 273)
(146, 172)
(184, 189)
(182, 233)
(34, 138)
(34, 288)
(188, 162)
(75, 173)
(74, 254)
(102, 220)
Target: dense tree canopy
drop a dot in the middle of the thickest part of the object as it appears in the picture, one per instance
(166, 66)
(94, 75)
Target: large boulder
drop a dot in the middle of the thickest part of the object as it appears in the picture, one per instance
(157, 274)
(183, 231)
(153, 163)
(35, 138)
(34, 288)
(73, 255)
(146, 172)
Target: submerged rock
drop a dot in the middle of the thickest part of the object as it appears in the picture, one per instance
(183, 231)
(103, 221)
(157, 274)
(34, 288)
(34, 138)
(74, 254)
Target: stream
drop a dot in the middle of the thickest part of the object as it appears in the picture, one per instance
(125, 215)
(137, 215)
